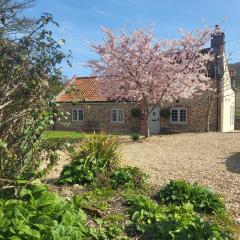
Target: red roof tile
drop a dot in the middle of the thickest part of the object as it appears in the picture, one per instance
(81, 89)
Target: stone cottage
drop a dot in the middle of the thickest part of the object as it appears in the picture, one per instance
(89, 110)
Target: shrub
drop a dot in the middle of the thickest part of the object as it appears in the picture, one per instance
(202, 198)
(144, 211)
(165, 113)
(135, 137)
(40, 214)
(136, 112)
(130, 177)
(175, 222)
(98, 154)
(180, 222)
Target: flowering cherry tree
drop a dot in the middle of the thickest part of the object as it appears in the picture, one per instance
(137, 67)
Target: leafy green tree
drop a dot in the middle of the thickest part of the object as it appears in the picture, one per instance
(11, 19)
(29, 63)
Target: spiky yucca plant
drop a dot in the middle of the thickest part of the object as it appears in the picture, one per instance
(98, 154)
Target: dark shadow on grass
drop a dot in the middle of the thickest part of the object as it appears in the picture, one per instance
(233, 163)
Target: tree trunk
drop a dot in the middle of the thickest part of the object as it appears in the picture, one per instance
(146, 115)
(207, 119)
(207, 124)
(146, 128)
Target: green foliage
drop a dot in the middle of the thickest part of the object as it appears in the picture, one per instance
(144, 211)
(40, 214)
(130, 177)
(108, 230)
(165, 113)
(180, 222)
(135, 137)
(98, 154)
(175, 222)
(98, 198)
(136, 112)
(29, 62)
(203, 199)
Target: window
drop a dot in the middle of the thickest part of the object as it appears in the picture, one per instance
(174, 115)
(179, 115)
(77, 115)
(117, 116)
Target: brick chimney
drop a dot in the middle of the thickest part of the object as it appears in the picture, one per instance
(217, 45)
(217, 38)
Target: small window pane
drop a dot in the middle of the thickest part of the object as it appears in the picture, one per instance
(114, 115)
(174, 115)
(75, 115)
(120, 115)
(80, 115)
(183, 115)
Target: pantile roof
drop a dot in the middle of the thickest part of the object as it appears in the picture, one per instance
(81, 89)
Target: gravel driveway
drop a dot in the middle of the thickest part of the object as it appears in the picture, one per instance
(211, 159)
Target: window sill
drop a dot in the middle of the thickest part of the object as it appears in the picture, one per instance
(178, 123)
(117, 122)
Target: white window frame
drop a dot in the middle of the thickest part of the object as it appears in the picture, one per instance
(117, 112)
(78, 109)
(178, 115)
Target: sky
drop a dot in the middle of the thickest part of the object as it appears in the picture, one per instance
(81, 21)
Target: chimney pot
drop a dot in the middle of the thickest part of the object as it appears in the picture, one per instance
(217, 29)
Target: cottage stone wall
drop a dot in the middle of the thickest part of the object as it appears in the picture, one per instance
(97, 117)
(196, 116)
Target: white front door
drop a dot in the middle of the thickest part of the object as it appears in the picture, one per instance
(154, 121)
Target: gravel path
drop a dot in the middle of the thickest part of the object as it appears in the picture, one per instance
(211, 159)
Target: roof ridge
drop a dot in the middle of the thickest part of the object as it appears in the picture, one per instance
(76, 77)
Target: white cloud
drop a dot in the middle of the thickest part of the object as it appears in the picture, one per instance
(99, 11)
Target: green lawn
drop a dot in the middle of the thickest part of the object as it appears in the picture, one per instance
(63, 134)
(70, 134)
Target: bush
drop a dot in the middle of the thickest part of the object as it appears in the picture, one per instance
(202, 198)
(40, 214)
(136, 112)
(175, 222)
(180, 222)
(130, 177)
(165, 113)
(144, 211)
(135, 137)
(98, 154)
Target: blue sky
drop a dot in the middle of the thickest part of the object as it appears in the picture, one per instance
(80, 22)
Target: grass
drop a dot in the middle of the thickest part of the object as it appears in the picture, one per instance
(63, 134)
(70, 134)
